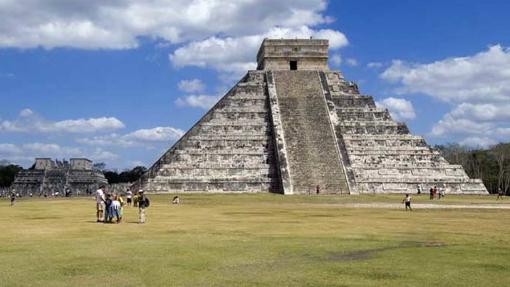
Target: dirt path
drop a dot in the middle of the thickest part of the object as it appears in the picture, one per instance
(425, 205)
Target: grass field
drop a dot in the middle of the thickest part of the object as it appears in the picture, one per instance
(256, 240)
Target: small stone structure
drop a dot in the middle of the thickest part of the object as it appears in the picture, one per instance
(295, 127)
(50, 177)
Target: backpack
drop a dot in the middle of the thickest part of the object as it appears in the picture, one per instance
(147, 202)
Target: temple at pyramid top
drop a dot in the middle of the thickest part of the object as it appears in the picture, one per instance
(293, 54)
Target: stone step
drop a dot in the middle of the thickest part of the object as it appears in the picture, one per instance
(311, 147)
(229, 186)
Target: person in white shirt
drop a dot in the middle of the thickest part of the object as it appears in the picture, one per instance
(407, 202)
(129, 197)
(100, 203)
(115, 209)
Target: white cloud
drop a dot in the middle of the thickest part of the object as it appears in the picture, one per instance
(197, 101)
(156, 134)
(141, 137)
(451, 126)
(483, 112)
(475, 86)
(400, 109)
(191, 86)
(374, 65)
(29, 121)
(26, 113)
(483, 142)
(351, 62)
(26, 153)
(101, 155)
(336, 59)
(479, 78)
(93, 24)
(6, 148)
(233, 56)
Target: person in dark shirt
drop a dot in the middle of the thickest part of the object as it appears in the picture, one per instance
(13, 198)
(107, 211)
(143, 203)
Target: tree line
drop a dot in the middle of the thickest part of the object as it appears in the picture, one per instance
(7, 173)
(115, 176)
(492, 164)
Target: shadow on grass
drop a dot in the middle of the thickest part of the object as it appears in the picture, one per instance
(369, 253)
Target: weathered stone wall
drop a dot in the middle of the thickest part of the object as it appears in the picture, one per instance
(229, 150)
(80, 163)
(384, 157)
(275, 54)
(53, 178)
(302, 64)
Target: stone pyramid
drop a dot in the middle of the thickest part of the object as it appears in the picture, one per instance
(293, 126)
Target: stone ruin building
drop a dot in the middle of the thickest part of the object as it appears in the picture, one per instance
(293, 125)
(47, 177)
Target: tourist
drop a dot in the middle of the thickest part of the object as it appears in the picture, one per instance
(143, 203)
(407, 202)
(419, 188)
(13, 198)
(317, 190)
(176, 200)
(135, 199)
(121, 201)
(441, 193)
(107, 209)
(500, 194)
(431, 192)
(129, 196)
(100, 203)
(115, 209)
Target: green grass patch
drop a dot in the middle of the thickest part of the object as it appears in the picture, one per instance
(256, 240)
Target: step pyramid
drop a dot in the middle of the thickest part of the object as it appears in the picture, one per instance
(295, 127)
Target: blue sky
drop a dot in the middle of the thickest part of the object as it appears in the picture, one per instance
(120, 81)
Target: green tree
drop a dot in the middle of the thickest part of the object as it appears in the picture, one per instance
(8, 173)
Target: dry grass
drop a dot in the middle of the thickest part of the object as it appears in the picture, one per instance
(255, 240)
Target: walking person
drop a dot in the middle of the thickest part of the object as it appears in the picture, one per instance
(442, 192)
(143, 203)
(407, 202)
(13, 199)
(500, 194)
(129, 197)
(419, 188)
(100, 207)
(431, 192)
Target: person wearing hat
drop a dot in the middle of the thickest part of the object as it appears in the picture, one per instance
(100, 203)
(143, 203)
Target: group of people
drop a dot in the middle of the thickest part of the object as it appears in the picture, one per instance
(109, 207)
(433, 192)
